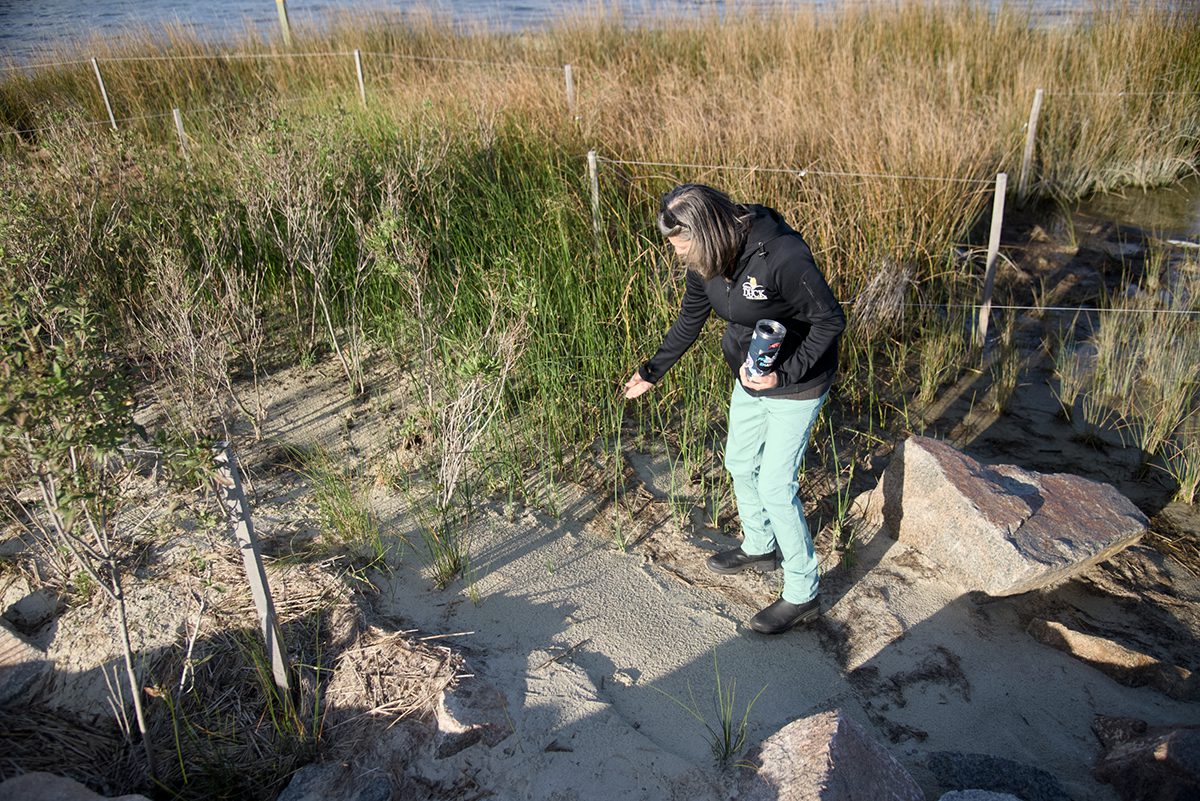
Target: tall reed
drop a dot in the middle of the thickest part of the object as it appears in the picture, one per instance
(460, 189)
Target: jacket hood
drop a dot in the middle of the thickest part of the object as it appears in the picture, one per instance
(766, 225)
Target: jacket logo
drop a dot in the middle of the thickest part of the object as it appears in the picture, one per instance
(752, 290)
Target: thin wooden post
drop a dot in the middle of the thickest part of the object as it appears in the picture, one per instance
(104, 94)
(237, 509)
(362, 87)
(1030, 142)
(283, 22)
(594, 184)
(993, 252)
(569, 77)
(179, 130)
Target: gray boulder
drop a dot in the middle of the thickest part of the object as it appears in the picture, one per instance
(48, 787)
(1001, 529)
(825, 757)
(956, 771)
(333, 783)
(32, 611)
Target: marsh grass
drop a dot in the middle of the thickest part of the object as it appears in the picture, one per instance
(1071, 368)
(726, 734)
(1005, 366)
(1137, 369)
(224, 728)
(1183, 462)
(343, 509)
(942, 355)
(456, 203)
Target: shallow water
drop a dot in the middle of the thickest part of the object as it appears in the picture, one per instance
(1169, 213)
(31, 29)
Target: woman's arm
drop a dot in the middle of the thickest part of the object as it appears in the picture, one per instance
(693, 313)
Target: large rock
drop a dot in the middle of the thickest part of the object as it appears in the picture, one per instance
(957, 771)
(1149, 763)
(826, 757)
(1003, 530)
(23, 667)
(336, 783)
(48, 787)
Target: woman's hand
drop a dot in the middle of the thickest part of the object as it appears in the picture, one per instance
(636, 386)
(759, 382)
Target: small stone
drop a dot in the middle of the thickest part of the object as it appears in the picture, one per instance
(977, 795)
(626, 678)
(1161, 765)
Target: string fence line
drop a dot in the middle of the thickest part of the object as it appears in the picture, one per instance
(1085, 93)
(228, 56)
(187, 57)
(799, 172)
(41, 65)
(85, 124)
(280, 99)
(471, 62)
(302, 54)
(1076, 309)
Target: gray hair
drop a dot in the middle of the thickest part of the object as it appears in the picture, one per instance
(714, 225)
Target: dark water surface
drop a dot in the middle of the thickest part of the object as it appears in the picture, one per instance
(30, 30)
(1169, 213)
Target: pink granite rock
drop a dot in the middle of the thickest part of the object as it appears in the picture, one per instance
(1002, 529)
(825, 757)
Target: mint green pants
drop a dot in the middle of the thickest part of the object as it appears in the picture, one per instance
(767, 439)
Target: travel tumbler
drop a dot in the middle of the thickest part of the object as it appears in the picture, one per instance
(764, 347)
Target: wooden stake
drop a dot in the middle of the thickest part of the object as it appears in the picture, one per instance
(362, 88)
(594, 184)
(237, 509)
(993, 252)
(283, 22)
(104, 94)
(569, 76)
(179, 130)
(1030, 141)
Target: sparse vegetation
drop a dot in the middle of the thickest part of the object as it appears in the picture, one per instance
(1139, 374)
(727, 733)
(345, 516)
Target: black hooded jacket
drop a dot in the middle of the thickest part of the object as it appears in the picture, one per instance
(774, 278)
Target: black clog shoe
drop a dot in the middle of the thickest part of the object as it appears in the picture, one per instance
(782, 616)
